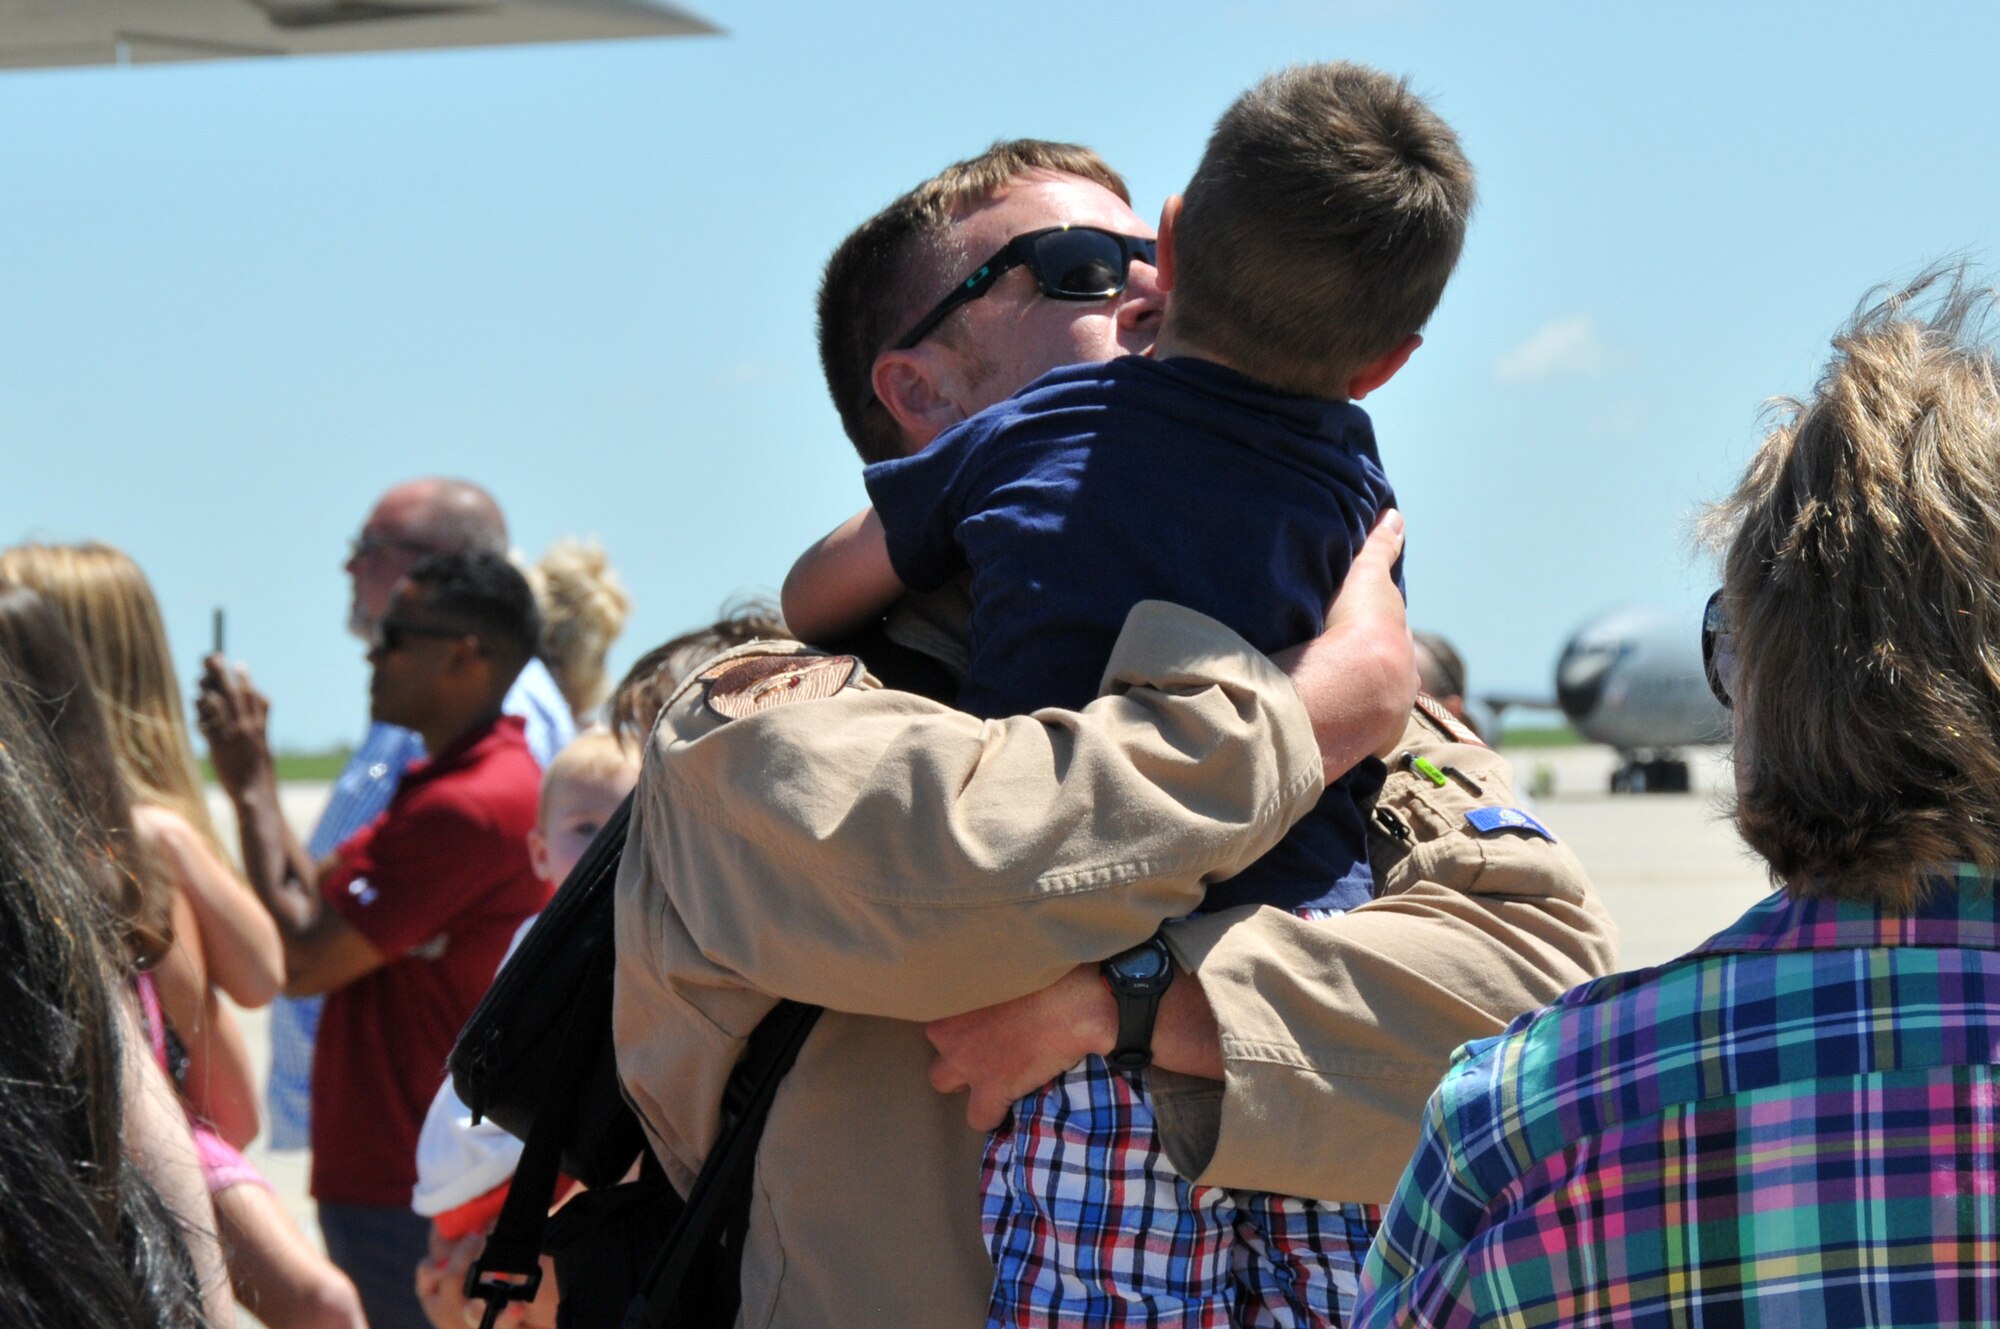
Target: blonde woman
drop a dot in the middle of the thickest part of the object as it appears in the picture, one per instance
(224, 941)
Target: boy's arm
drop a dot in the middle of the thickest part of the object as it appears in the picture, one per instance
(844, 582)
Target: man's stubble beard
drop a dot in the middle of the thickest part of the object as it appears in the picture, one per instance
(976, 367)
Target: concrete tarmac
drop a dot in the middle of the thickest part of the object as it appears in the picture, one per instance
(1669, 867)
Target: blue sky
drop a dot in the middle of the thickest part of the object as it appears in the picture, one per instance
(238, 300)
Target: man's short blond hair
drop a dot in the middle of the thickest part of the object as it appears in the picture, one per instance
(1318, 232)
(902, 261)
(1862, 585)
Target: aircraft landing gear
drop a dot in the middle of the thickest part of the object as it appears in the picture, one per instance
(1650, 775)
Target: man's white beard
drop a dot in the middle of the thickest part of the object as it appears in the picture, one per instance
(359, 624)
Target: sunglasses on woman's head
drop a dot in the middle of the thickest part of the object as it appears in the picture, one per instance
(1069, 263)
(1718, 650)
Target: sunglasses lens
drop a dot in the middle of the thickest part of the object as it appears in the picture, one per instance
(1080, 264)
(1718, 649)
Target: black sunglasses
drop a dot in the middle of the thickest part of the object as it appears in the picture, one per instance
(1069, 263)
(391, 633)
(1718, 650)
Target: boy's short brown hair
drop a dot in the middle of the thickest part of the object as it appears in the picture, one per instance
(1319, 230)
(900, 261)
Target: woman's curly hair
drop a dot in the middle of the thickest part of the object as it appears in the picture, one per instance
(584, 607)
(1862, 583)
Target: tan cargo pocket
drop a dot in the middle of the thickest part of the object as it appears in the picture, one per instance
(1419, 828)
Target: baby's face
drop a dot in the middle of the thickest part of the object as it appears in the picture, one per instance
(572, 815)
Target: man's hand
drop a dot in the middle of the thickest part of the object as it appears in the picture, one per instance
(323, 951)
(1005, 1052)
(232, 714)
(1358, 678)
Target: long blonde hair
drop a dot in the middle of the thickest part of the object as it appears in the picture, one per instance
(104, 600)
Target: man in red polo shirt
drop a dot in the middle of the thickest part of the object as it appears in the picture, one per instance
(404, 926)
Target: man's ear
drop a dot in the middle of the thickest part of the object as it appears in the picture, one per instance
(467, 654)
(1382, 368)
(910, 386)
(1168, 264)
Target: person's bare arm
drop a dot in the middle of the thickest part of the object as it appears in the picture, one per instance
(221, 1083)
(843, 582)
(323, 951)
(240, 943)
(158, 1144)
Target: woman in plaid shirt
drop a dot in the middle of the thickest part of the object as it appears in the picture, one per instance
(1799, 1122)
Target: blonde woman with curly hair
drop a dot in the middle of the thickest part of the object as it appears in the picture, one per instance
(224, 940)
(1799, 1121)
(584, 607)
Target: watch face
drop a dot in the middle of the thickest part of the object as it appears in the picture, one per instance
(1142, 965)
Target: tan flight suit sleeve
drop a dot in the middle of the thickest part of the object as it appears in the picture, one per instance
(1335, 1032)
(880, 854)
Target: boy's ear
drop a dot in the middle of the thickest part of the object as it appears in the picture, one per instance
(1383, 368)
(909, 385)
(538, 854)
(1170, 215)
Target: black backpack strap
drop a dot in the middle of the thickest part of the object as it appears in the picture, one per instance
(719, 1198)
(510, 1266)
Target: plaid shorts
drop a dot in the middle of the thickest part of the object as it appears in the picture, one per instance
(1089, 1224)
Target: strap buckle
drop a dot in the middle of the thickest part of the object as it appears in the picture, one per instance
(498, 1287)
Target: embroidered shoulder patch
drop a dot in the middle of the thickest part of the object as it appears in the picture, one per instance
(1488, 820)
(743, 687)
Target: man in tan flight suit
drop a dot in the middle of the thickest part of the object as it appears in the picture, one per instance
(802, 833)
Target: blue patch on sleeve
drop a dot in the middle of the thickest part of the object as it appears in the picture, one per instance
(1488, 820)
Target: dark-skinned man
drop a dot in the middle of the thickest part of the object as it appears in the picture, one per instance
(403, 927)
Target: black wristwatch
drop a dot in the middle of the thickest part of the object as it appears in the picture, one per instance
(1138, 978)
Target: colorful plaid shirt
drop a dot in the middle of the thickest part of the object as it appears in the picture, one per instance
(1796, 1124)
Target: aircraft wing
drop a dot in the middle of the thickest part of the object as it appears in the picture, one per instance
(49, 33)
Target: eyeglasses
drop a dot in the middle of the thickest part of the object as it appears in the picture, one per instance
(1069, 263)
(391, 633)
(1718, 650)
(363, 545)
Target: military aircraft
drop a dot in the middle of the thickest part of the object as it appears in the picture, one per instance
(50, 33)
(1632, 679)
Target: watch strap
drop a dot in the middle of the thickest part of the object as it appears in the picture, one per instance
(1138, 1001)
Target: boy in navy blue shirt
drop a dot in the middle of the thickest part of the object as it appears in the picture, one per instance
(1230, 472)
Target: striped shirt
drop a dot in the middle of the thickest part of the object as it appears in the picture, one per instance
(1798, 1123)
